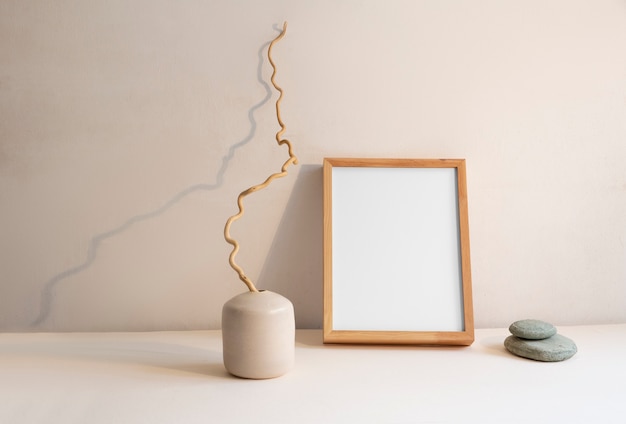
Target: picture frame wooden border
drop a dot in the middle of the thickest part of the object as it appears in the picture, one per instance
(353, 315)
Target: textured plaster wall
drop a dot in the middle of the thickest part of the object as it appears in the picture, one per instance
(127, 129)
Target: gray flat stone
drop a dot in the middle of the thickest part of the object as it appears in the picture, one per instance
(553, 349)
(532, 329)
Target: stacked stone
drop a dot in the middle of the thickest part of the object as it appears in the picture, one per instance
(538, 340)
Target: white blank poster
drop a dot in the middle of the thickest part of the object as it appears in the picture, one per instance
(396, 250)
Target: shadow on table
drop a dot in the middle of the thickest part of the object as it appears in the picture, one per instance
(202, 369)
(314, 339)
(97, 354)
(494, 345)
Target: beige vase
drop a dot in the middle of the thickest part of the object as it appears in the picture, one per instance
(258, 335)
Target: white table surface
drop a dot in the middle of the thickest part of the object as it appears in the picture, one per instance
(178, 377)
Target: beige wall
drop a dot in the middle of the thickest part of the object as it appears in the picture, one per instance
(127, 129)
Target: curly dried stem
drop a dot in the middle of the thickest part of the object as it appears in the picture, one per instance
(292, 159)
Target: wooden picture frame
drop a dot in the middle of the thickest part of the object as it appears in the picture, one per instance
(396, 252)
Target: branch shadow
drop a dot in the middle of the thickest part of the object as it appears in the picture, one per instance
(51, 285)
(293, 267)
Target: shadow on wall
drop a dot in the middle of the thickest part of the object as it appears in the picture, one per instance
(294, 265)
(51, 286)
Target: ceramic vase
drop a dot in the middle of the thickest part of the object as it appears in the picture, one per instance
(258, 335)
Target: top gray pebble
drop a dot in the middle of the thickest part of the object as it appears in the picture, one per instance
(532, 329)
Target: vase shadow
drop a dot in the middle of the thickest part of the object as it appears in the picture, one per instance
(311, 338)
(293, 267)
(203, 369)
(126, 356)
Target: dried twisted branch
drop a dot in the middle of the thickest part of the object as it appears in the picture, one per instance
(292, 159)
